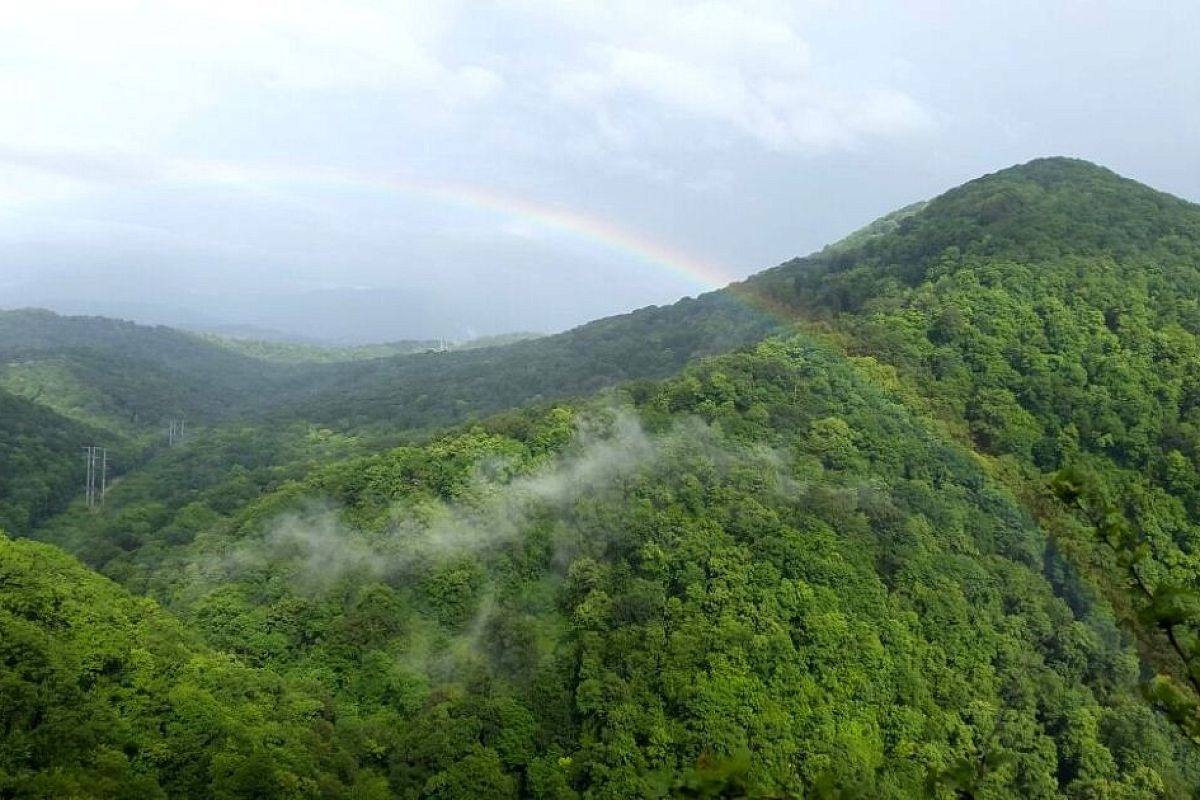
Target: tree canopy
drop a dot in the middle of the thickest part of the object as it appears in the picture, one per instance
(936, 537)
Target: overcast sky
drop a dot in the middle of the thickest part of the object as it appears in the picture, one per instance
(358, 170)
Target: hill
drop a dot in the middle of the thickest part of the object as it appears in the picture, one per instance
(104, 695)
(422, 391)
(69, 382)
(124, 376)
(127, 380)
(1041, 212)
(290, 352)
(41, 461)
(769, 567)
(882, 547)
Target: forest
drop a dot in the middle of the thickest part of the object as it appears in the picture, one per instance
(916, 516)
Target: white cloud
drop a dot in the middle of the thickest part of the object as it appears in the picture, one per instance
(743, 66)
(128, 74)
(721, 128)
(612, 80)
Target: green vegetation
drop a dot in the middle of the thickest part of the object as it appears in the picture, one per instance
(302, 353)
(767, 555)
(424, 391)
(938, 540)
(1171, 610)
(104, 695)
(1062, 333)
(126, 378)
(41, 461)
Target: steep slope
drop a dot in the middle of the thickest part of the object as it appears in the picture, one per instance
(41, 462)
(127, 377)
(1049, 315)
(767, 575)
(104, 695)
(433, 389)
(785, 572)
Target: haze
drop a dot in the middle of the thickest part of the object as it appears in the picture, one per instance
(374, 171)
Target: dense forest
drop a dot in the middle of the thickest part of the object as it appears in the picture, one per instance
(306, 353)
(914, 516)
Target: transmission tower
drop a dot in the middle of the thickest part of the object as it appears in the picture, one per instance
(96, 459)
(175, 430)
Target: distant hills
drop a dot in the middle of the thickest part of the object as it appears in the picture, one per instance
(917, 515)
(298, 351)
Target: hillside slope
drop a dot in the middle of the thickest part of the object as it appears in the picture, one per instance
(825, 565)
(766, 575)
(1050, 316)
(127, 376)
(41, 461)
(71, 382)
(104, 695)
(124, 381)
(422, 391)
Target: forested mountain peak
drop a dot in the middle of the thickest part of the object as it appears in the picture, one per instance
(827, 563)
(1049, 171)
(1049, 211)
(1047, 208)
(972, 209)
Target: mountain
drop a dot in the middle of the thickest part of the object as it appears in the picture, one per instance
(105, 695)
(71, 382)
(41, 461)
(420, 391)
(1041, 212)
(136, 375)
(130, 380)
(299, 352)
(914, 516)
(770, 568)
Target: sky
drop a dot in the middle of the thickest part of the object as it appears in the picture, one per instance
(359, 171)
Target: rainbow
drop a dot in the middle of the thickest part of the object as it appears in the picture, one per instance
(592, 230)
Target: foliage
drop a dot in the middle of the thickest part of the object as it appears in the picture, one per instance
(780, 570)
(301, 353)
(41, 461)
(1049, 316)
(1169, 609)
(824, 565)
(103, 695)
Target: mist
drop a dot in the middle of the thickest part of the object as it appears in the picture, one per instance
(321, 550)
(314, 550)
(493, 510)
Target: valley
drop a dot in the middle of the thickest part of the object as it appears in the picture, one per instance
(843, 529)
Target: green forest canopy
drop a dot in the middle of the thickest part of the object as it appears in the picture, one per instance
(824, 565)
